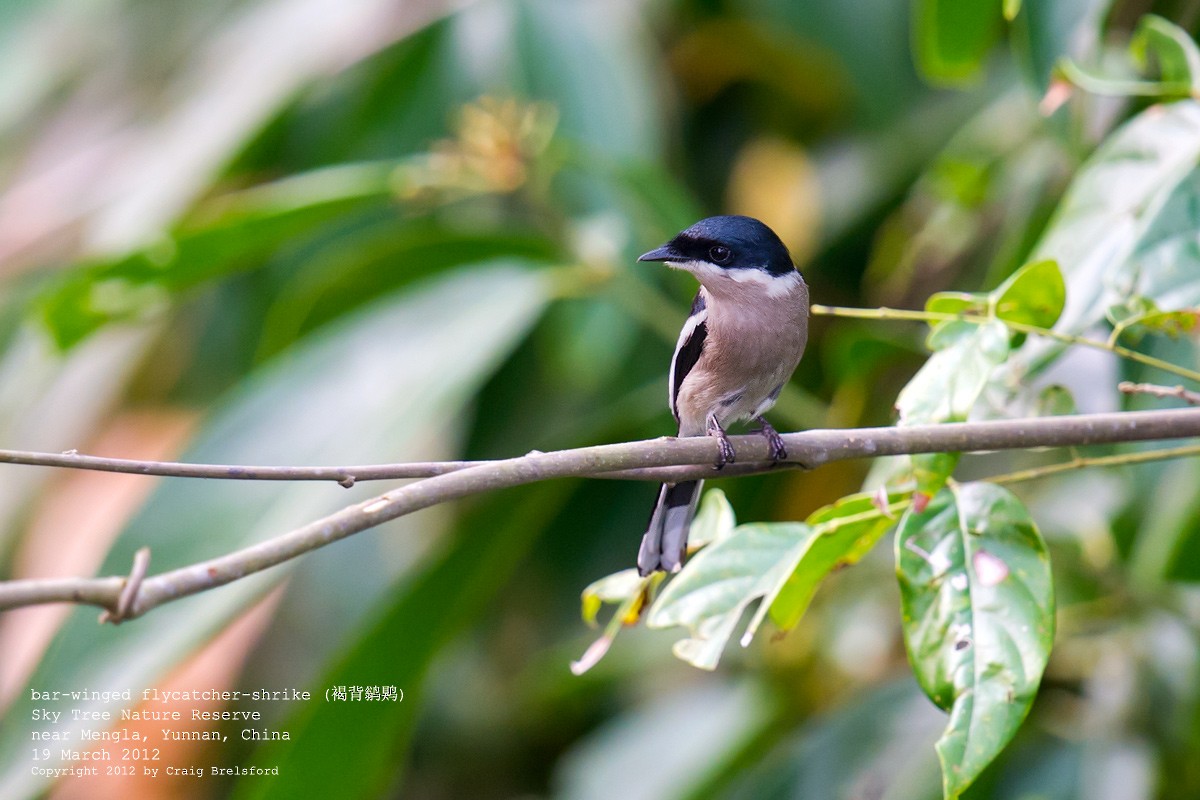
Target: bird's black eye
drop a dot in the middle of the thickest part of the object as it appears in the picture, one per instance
(719, 253)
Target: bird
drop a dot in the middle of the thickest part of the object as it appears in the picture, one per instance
(738, 347)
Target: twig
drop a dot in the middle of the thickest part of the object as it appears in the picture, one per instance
(1129, 387)
(687, 456)
(343, 476)
(233, 472)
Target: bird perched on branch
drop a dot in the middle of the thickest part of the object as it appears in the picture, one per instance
(738, 347)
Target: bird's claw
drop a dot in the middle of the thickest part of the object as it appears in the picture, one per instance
(725, 453)
(778, 451)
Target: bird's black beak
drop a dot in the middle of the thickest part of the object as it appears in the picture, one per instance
(664, 253)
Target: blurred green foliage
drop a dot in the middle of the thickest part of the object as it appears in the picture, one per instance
(367, 232)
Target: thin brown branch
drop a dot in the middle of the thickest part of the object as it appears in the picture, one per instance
(1153, 389)
(345, 476)
(677, 458)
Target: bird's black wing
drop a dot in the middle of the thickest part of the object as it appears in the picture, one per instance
(687, 351)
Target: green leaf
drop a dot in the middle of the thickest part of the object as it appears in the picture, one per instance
(842, 533)
(366, 389)
(947, 385)
(930, 472)
(716, 586)
(957, 303)
(1169, 323)
(1112, 211)
(782, 563)
(714, 520)
(1164, 268)
(632, 593)
(953, 37)
(238, 232)
(1034, 295)
(978, 610)
(1171, 47)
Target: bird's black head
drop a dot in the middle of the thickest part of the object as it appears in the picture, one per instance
(730, 242)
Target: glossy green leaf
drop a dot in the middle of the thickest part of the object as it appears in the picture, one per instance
(719, 583)
(781, 563)
(952, 38)
(1034, 295)
(842, 533)
(391, 371)
(356, 749)
(978, 609)
(1125, 228)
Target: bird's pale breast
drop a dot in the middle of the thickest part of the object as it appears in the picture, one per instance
(747, 356)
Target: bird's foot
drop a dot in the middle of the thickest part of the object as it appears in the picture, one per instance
(725, 453)
(774, 441)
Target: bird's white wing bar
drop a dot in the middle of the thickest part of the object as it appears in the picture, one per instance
(687, 349)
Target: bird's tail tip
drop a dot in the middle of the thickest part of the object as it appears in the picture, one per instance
(664, 546)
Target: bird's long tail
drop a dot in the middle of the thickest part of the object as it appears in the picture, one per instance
(665, 542)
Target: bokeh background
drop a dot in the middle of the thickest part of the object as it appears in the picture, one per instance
(319, 232)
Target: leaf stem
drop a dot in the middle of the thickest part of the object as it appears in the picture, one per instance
(1033, 473)
(1082, 462)
(1020, 327)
